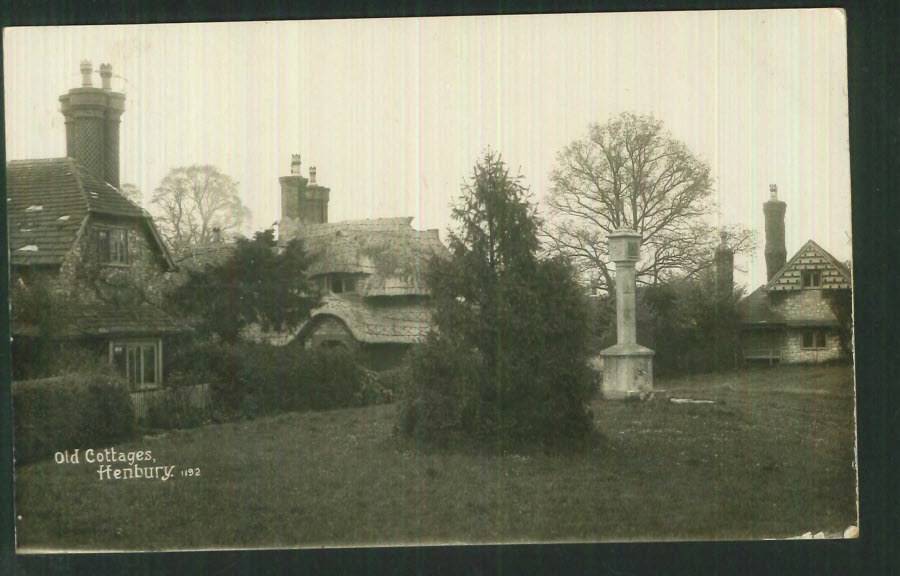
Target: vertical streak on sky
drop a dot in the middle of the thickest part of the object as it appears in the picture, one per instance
(753, 101)
(395, 112)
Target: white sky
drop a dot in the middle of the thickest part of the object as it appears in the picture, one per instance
(394, 113)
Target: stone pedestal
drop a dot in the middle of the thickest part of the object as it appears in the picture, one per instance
(627, 371)
(627, 366)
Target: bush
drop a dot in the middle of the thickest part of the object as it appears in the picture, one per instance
(250, 379)
(76, 411)
(690, 329)
(508, 354)
(172, 407)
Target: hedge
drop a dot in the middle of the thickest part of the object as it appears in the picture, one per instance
(73, 411)
(251, 379)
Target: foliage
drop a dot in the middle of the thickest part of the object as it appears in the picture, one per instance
(192, 202)
(507, 355)
(841, 303)
(43, 316)
(87, 410)
(631, 172)
(689, 327)
(256, 285)
(249, 379)
(133, 193)
(171, 408)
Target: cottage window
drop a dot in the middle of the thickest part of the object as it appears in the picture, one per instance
(813, 339)
(811, 278)
(341, 284)
(137, 361)
(113, 246)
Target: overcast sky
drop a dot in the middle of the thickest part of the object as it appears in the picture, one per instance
(394, 113)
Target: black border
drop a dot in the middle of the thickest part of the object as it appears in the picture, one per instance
(875, 152)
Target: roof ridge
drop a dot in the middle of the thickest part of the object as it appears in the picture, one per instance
(37, 160)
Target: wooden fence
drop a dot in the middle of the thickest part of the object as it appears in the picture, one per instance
(195, 397)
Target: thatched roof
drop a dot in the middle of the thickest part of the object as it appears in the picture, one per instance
(396, 322)
(388, 250)
(199, 257)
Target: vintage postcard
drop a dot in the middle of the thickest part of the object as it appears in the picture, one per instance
(393, 282)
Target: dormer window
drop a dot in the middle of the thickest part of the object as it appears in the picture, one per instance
(811, 279)
(340, 284)
(113, 246)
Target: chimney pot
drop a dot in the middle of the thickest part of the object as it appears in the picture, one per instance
(295, 164)
(773, 192)
(86, 70)
(312, 175)
(106, 75)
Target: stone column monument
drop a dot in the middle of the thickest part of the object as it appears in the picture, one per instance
(627, 366)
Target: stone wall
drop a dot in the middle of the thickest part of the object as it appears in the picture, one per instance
(790, 342)
(799, 305)
(794, 351)
(84, 278)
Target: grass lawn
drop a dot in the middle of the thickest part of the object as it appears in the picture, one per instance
(771, 457)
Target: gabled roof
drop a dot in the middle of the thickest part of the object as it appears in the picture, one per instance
(47, 203)
(840, 266)
(389, 250)
(399, 322)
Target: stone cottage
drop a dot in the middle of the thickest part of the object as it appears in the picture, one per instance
(792, 318)
(72, 233)
(369, 272)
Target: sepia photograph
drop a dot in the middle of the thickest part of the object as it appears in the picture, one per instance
(557, 278)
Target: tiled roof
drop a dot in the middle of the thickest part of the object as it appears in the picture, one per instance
(47, 203)
(756, 309)
(99, 319)
(394, 322)
(103, 319)
(389, 250)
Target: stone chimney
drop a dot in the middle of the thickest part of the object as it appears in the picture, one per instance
(776, 253)
(92, 124)
(724, 266)
(303, 201)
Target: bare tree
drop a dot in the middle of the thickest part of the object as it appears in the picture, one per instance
(133, 193)
(192, 202)
(631, 172)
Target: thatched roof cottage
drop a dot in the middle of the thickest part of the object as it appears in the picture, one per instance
(370, 273)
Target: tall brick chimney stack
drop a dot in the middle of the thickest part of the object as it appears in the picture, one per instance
(92, 123)
(776, 253)
(724, 266)
(302, 201)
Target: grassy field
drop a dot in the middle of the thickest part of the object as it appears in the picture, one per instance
(771, 457)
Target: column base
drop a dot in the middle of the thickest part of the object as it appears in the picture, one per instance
(627, 371)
